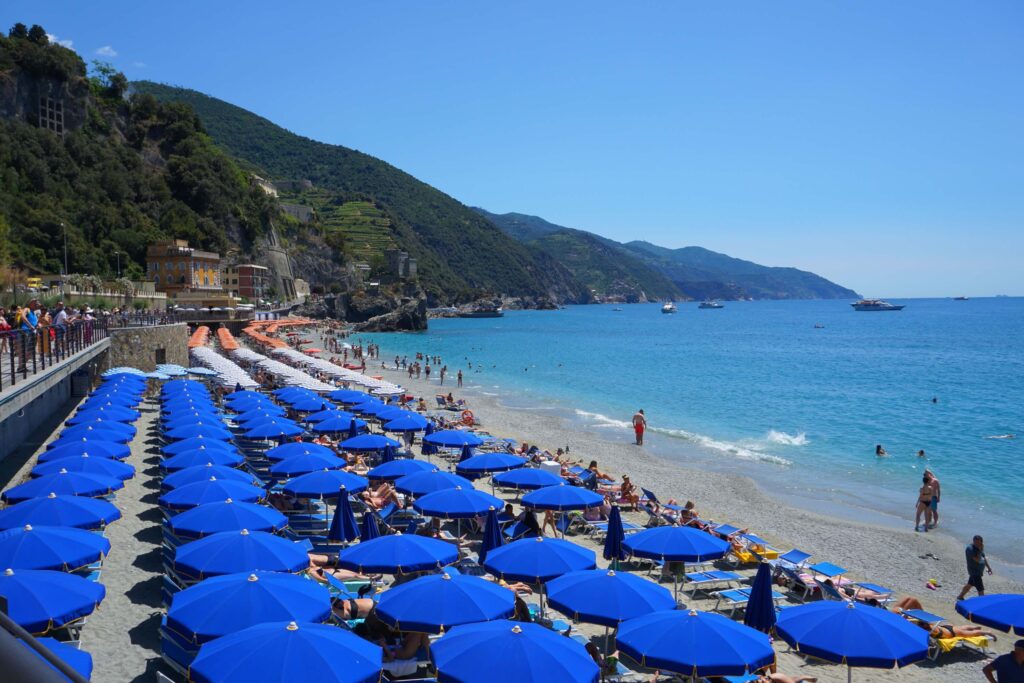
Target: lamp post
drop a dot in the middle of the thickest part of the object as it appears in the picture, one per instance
(118, 255)
(64, 230)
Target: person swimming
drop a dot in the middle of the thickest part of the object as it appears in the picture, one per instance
(880, 452)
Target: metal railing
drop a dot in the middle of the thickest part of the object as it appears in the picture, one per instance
(28, 352)
(20, 664)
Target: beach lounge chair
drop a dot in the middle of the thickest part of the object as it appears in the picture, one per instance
(755, 549)
(650, 497)
(794, 559)
(830, 592)
(939, 646)
(708, 581)
(799, 582)
(736, 599)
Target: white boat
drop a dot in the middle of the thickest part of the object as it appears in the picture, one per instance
(710, 304)
(669, 307)
(875, 305)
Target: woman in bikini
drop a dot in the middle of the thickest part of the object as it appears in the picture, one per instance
(924, 502)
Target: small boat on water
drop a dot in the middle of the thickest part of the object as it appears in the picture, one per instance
(875, 305)
(482, 312)
(669, 307)
(616, 309)
(959, 298)
(710, 304)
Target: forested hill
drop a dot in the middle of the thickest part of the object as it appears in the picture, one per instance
(459, 252)
(692, 272)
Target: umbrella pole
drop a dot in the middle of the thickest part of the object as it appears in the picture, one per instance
(849, 673)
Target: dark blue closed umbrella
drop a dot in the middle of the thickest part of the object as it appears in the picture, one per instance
(760, 612)
(199, 442)
(107, 467)
(614, 537)
(562, 498)
(229, 552)
(396, 469)
(387, 455)
(58, 548)
(324, 483)
(63, 448)
(852, 634)
(41, 601)
(436, 603)
(1003, 611)
(493, 537)
(538, 560)
(398, 553)
(200, 457)
(212, 490)
(510, 652)
(694, 644)
(422, 483)
(225, 604)
(226, 515)
(466, 453)
(295, 465)
(66, 511)
(280, 651)
(278, 453)
(63, 483)
(191, 475)
(343, 525)
(453, 438)
(368, 442)
(428, 448)
(606, 597)
(369, 529)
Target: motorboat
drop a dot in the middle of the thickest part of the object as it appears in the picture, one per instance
(875, 305)
(669, 307)
(616, 309)
(959, 298)
(710, 304)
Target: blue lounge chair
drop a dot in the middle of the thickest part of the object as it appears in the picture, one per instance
(710, 580)
(736, 599)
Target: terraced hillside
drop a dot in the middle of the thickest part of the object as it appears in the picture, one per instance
(361, 227)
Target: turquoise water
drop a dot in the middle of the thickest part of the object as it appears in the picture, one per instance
(756, 388)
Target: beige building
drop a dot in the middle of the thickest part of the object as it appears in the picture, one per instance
(174, 267)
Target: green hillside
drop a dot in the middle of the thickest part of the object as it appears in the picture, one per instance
(460, 253)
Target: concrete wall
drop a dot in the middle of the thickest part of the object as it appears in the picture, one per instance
(32, 402)
(139, 347)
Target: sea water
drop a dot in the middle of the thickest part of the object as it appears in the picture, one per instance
(796, 394)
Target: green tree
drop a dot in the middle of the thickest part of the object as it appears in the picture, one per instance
(37, 34)
(19, 30)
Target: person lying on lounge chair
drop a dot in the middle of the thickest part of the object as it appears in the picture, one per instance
(381, 496)
(347, 609)
(850, 593)
(783, 678)
(319, 564)
(941, 631)
(283, 502)
(689, 516)
(356, 464)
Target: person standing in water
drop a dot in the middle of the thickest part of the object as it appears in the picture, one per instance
(639, 425)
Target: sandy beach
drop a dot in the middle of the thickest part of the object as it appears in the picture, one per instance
(899, 559)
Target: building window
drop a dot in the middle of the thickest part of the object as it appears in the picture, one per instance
(156, 280)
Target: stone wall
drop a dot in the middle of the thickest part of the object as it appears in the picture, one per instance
(146, 347)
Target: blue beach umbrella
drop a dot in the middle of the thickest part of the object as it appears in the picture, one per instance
(353, 428)
(398, 553)
(510, 652)
(176, 420)
(311, 404)
(1003, 611)
(51, 547)
(371, 408)
(407, 422)
(325, 483)
(343, 524)
(79, 660)
(256, 404)
(87, 420)
(387, 455)
(493, 537)
(66, 511)
(199, 442)
(606, 597)
(194, 431)
(212, 490)
(41, 601)
(295, 465)
(202, 372)
(340, 423)
(191, 475)
(107, 467)
(63, 483)
(278, 453)
(694, 644)
(226, 604)
(488, 462)
(562, 498)
(538, 560)
(453, 438)
(527, 478)
(422, 483)
(258, 415)
(428, 448)
(851, 634)
(392, 412)
(110, 399)
(348, 396)
(613, 539)
(280, 651)
(369, 528)
(112, 412)
(96, 447)
(106, 431)
(456, 503)
(226, 515)
(273, 429)
(368, 442)
(243, 393)
(675, 544)
(330, 413)
(396, 469)
(436, 603)
(229, 552)
(760, 612)
(200, 457)
(292, 393)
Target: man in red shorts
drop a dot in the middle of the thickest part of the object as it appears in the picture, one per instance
(639, 425)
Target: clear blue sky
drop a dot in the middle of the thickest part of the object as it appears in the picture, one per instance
(880, 144)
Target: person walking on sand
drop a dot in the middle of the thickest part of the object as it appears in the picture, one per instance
(639, 425)
(977, 565)
(933, 509)
(1008, 668)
